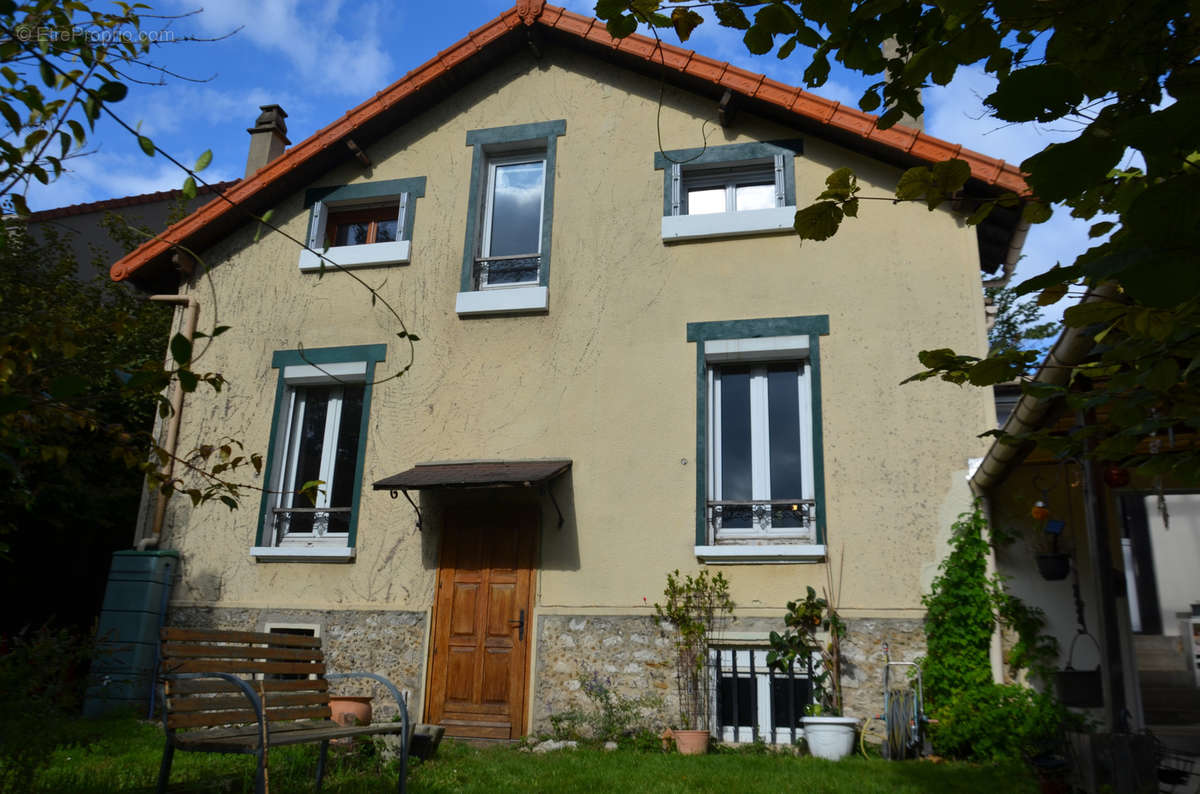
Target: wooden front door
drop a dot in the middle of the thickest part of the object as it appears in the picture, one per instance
(479, 661)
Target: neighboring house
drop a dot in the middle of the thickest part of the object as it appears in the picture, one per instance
(82, 226)
(628, 364)
(1143, 621)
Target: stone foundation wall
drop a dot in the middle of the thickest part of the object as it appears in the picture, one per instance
(863, 659)
(629, 653)
(390, 643)
(634, 658)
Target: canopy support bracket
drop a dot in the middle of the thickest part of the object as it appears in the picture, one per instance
(411, 502)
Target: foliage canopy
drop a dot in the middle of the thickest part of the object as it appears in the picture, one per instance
(1126, 77)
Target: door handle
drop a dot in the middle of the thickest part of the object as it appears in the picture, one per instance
(520, 624)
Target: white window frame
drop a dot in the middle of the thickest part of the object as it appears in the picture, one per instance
(679, 225)
(397, 252)
(760, 543)
(767, 730)
(728, 176)
(305, 545)
(485, 242)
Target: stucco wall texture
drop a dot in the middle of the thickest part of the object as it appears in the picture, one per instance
(606, 376)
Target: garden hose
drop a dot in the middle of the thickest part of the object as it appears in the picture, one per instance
(862, 739)
(901, 712)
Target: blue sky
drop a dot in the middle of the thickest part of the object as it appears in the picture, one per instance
(319, 58)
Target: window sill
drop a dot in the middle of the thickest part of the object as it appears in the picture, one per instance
(396, 253)
(503, 301)
(775, 553)
(302, 553)
(676, 228)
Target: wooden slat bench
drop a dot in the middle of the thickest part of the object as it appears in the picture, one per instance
(246, 692)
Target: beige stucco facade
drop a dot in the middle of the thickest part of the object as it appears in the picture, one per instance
(606, 376)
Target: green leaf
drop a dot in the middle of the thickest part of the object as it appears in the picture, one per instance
(622, 26)
(188, 380)
(47, 73)
(19, 205)
(266, 218)
(112, 91)
(758, 40)
(11, 117)
(189, 188)
(869, 101)
(229, 502)
(1036, 212)
(1044, 92)
(146, 144)
(1055, 275)
(818, 221)
(1052, 294)
(203, 160)
(1092, 312)
(730, 15)
(1164, 375)
(181, 349)
(684, 20)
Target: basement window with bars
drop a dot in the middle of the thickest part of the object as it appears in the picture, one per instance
(754, 702)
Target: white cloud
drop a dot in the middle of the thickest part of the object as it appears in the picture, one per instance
(312, 37)
(105, 175)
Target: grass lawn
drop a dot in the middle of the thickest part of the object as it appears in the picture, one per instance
(123, 756)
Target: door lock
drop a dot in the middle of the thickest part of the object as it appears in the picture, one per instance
(520, 624)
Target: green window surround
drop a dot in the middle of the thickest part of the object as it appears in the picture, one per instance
(676, 161)
(367, 356)
(495, 142)
(813, 327)
(365, 192)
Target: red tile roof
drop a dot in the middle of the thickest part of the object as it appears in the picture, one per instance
(903, 140)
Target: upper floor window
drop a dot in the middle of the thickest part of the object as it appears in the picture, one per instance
(318, 434)
(740, 189)
(506, 257)
(510, 250)
(361, 225)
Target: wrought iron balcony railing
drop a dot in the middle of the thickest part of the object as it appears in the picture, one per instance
(491, 271)
(777, 516)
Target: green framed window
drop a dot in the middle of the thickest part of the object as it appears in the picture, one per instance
(728, 191)
(760, 489)
(318, 433)
(366, 224)
(506, 254)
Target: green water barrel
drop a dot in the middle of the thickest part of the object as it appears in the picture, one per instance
(135, 604)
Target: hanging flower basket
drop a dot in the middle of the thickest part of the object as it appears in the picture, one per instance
(1080, 689)
(1054, 567)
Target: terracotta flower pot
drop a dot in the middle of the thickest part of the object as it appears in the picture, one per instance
(691, 742)
(350, 709)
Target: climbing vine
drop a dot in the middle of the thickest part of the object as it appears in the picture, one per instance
(977, 718)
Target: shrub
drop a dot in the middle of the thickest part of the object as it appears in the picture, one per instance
(612, 717)
(996, 722)
(42, 675)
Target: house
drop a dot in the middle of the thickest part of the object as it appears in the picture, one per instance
(627, 364)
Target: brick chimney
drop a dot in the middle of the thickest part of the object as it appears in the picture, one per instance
(268, 137)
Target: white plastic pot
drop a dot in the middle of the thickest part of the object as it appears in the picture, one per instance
(831, 738)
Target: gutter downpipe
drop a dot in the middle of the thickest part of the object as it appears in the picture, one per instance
(1072, 346)
(191, 318)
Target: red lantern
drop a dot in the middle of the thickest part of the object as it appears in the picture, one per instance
(1115, 476)
(1040, 512)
